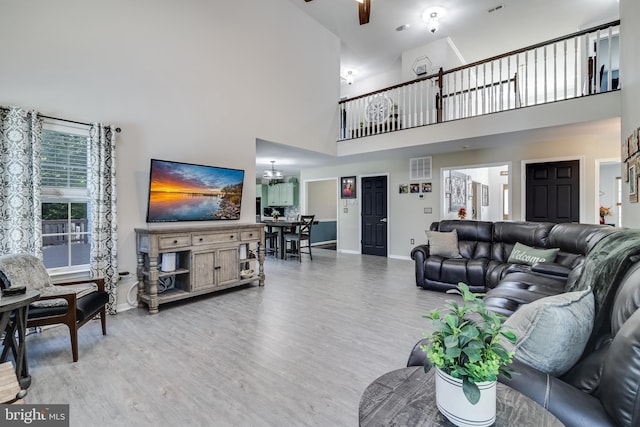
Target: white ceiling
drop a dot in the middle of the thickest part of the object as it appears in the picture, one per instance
(376, 47)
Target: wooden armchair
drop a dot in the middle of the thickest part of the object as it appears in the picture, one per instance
(73, 303)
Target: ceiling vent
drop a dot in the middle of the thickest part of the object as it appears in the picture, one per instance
(420, 168)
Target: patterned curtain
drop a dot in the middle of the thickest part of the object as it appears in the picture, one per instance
(20, 204)
(102, 190)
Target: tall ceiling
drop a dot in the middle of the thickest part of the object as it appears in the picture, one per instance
(475, 33)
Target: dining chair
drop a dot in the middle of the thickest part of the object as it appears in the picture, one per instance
(303, 234)
(271, 241)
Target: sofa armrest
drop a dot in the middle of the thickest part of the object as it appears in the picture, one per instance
(551, 268)
(574, 408)
(422, 250)
(419, 254)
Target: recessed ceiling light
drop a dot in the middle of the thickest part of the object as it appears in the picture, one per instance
(403, 27)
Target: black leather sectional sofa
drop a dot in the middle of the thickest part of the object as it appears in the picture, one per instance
(485, 248)
(602, 388)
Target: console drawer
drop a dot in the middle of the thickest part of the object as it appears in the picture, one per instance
(207, 239)
(172, 242)
(249, 235)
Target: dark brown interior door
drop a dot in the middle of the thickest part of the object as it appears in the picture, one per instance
(374, 215)
(553, 191)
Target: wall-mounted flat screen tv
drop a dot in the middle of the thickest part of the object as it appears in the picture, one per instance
(188, 192)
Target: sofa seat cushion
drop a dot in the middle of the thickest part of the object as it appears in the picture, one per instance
(552, 332)
(456, 270)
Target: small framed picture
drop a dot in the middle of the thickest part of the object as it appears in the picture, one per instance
(636, 141)
(633, 180)
(426, 187)
(348, 187)
(414, 188)
(403, 189)
(630, 145)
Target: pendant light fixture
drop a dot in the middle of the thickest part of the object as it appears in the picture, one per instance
(272, 173)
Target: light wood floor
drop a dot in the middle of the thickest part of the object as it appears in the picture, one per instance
(298, 352)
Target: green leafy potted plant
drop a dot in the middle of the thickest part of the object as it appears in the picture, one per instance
(465, 348)
(275, 214)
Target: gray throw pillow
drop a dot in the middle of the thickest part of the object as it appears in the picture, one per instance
(552, 332)
(444, 244)
(523, 254)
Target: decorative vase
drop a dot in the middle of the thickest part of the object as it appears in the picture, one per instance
(275, 219)
(453, 404)
(601, 220)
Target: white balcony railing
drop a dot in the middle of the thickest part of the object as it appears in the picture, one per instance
(580, 64)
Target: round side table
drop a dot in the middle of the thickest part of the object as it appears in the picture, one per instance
(407, 397)
(13, 318)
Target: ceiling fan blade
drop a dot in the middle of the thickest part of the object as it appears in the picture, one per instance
(364, 10)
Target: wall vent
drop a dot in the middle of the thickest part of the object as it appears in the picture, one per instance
(420, 168)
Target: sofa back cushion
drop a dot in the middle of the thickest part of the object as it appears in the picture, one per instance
(506, 234)
(620, 379)
(576, 241)
(474, 237)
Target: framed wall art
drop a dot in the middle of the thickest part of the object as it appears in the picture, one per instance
(458, 191)
(426, 187)
(485, 195)
(348, 187)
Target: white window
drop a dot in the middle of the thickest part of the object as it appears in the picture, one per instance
(65, 199)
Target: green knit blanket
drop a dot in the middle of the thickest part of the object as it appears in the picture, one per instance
(603, 270)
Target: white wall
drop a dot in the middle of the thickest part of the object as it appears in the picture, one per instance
(630, 82)
(608, 189)
(195, 81)
(322, 199)
(407, 219)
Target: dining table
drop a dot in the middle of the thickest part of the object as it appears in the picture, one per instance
(282, 227)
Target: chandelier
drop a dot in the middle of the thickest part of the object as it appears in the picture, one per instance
(272, 173)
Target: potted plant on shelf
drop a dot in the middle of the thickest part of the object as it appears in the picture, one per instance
(466, 351)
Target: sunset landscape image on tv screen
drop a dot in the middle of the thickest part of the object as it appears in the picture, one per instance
(187, 192)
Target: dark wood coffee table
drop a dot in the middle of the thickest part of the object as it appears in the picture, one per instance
(407, 397)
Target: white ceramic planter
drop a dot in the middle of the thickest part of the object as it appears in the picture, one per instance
(453, 404)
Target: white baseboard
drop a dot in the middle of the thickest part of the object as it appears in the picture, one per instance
(408, 258)
(347, 251)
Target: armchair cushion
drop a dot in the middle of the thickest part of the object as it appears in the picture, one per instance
(23, 270)
(48, 293)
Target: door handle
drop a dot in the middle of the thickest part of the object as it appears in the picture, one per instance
(383, 220)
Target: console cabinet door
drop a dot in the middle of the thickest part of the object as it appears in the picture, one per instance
(227, 266)
(203, 270)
